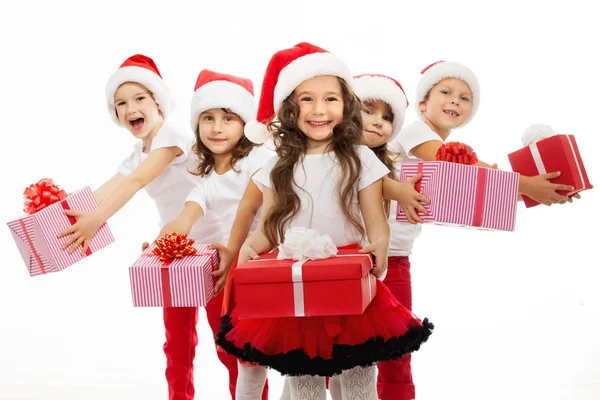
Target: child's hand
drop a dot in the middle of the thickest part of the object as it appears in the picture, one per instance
(411, 200)
(247, 253)
(225, 260)
(539, 188)
(145, 245)
(82, 231)
(379, 249)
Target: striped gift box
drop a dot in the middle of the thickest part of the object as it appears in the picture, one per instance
(186, 282)
(465, 195)
(35, 234)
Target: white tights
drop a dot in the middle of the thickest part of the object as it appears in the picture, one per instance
(250, 382)
(355, 384)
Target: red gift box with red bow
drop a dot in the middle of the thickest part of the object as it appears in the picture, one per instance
(271, 288)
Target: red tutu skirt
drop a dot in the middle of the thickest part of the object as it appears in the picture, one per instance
(326, 345)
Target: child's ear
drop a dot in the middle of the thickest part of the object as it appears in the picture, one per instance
(423, 106)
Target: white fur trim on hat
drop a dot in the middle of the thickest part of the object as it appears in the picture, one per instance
(144, 77)
(307, 67)
(441, 71)
(222, 94)
(536, 132)
(380, 88)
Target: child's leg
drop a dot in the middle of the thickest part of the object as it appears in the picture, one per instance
(335, 388)
(213, 314)
(359, 383)
(251, 382)
(307, 387)
(394, 381)
(180, 348)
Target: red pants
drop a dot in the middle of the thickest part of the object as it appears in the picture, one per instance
(394, 380)
(180, 348)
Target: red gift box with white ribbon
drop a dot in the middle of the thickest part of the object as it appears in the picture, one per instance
(36, 233)
(338, 285)
(465, 195)
(554, 153)
(174, 272)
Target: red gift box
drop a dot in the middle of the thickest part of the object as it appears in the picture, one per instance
(174, 281)
(555, 153)
(465, 195)
(36, 234)
(271, 288)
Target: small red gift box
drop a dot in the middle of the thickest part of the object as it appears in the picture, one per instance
(174, 272)
(36, 233)
(465, 195)
(271, 288)
(555, 153)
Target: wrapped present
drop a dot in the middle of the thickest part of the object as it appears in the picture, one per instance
(465, 195)
(35, 233)
(174, 272)
(546, 152)
(309, 276)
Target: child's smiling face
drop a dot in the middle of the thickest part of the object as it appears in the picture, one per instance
(448, 104)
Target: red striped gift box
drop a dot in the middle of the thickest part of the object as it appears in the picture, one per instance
(35, 234)
(465, 195)
(185, 282)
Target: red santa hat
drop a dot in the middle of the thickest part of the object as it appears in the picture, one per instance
(142, 70)
(389, 90)
(217, 90)
(287, 69)
(441, 70)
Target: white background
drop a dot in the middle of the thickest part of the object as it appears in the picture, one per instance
(516, 314)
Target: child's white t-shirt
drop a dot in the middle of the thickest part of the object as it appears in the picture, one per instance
(316, 178)
(221, 194)
(171, 187)
(403, 234)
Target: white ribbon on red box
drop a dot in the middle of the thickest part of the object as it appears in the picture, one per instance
(541, 168)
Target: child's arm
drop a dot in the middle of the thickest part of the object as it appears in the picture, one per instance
(538, 187)
(184, 222)
(406, 195)
(103, 191)
(88, 223)
(246, 212)
(378, 229)
(258, 243)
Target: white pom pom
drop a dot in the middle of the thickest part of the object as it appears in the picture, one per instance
(256, 132)
(535, 133)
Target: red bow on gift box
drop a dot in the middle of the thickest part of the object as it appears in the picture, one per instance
(456, 152)
(174, 246)
(42, 194)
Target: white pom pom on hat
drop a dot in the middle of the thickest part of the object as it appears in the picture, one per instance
(536, 132)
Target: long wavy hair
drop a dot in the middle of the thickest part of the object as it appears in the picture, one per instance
(385, 155)
(206, 157)
(291, 145)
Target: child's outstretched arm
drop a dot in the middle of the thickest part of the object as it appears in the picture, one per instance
(258, 243)
(184, 222)
(406, 195)
(378, 229)
(88, 223)
(538, 188)
(104, 191)
(246, 212)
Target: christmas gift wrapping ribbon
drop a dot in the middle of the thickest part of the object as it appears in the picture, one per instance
(541, 168)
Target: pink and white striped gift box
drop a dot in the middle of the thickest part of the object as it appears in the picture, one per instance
(465, 195)
(35, 234)
(185, 282)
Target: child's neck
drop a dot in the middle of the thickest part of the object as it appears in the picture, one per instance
(222, 163)
(317, 147)
(147, 141)
(442, 133)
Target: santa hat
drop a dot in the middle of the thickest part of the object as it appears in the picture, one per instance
(142, 70)
(216, 90)
(441, 70)
(389, 90)
(287, 69)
